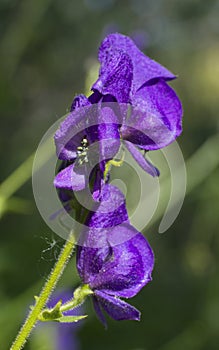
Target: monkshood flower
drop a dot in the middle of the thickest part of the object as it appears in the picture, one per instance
(113, 258)
(128, 76)
(149, 117)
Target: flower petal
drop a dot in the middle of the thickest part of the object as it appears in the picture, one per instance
(69, 179)
(93, 247)
(156, 117)
(71, 131)
(145, 70)
(99, 312)
(90, 261)
(115, 77)
(109, 124)
(117, 309)
(79, 101)
(105, 134)
(111, 210)
(141, 160)
(130, 265)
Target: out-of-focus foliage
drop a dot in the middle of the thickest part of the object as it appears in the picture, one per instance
(47, 51)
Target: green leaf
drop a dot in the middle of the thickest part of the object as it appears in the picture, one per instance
(51, 314)
(70, 319)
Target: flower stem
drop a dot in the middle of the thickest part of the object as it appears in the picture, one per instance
(45, 294)
(80, 295)
(56, 313)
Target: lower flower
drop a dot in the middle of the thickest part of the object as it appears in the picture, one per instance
(113, 258)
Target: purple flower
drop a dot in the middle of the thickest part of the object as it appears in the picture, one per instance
(128, 76)
(118, 55)
(113, 258)
(131, 104)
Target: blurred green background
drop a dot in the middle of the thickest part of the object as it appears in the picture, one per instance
(48, 55)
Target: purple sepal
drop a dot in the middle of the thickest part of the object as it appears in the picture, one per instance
(116, 75)
(145, 70)
(72, 130)
(141, 160)
(98, 310)
(79, 101)
(128, 266)
(117, 309)
(69, 179)
(156, 117)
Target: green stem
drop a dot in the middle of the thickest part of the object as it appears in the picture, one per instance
(20, 175)
(17, 178)
(45, 294)
(80, 295)
(56, 313)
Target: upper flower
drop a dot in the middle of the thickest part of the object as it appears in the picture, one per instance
(128, 76)
(113, 258)
(125, 69)
(145, 114)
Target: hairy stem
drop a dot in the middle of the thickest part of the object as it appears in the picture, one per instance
(45, 294)
(80, 295)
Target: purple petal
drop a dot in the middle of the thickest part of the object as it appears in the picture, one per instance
(116, 75)
(130, 265)
(105, 134)
(90, 261)
(93, 246)
(98, 184)
(156, 118)
(98, 311)
(69, 179)
(141, 160)
(116, 308)
(109, 133)
(111, 210)
(145, 70)
(79, 101)
(71, 131)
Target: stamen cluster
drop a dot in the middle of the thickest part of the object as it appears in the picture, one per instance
(82, 152)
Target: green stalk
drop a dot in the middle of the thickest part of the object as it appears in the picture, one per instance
(80, 295)
(45, 294)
